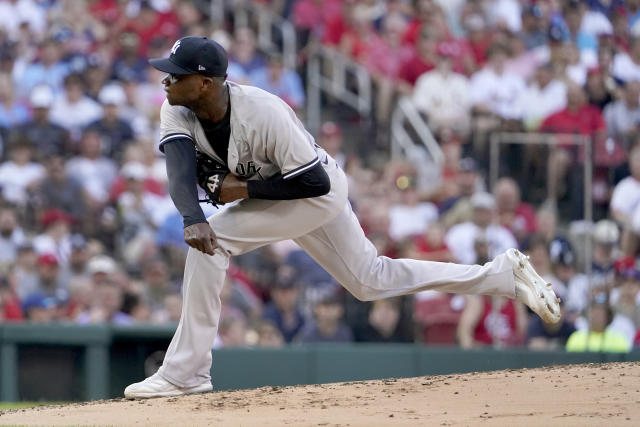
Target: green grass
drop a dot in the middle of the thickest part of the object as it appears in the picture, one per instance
(19, 405)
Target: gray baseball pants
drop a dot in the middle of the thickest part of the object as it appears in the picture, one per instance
(327, 229)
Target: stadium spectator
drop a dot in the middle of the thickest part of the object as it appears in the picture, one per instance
(430, 246)
(598, 337)
(457, 209)
(46, 137)
(268, 335)
(56, 237)
(514, 214)
(48, 69)
(327, 324)
(437, 315)
(626, 65)
(95, 172)
(625, 304)
(283, 310)
(495, 91)
(243, 51)
(423, 59)
(115, 131)
(548, 336)
(72, 109)
(491, 321)
(578, 118)
(10, 309)
(38, 308)
(129, 64)
(533, 34)
(565, 275)
(544, 96)
(383, 321)
(409, 216)
(622, 116)
(462, 237)
(106, 306)
(11, 235)
(626, 194)
(58, 191)
(20, 174)
(443, 96)
(281, 81)
(12, 111)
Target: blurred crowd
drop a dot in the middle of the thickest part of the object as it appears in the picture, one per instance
(88, 233)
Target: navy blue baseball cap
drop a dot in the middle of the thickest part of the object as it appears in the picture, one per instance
(194, 55)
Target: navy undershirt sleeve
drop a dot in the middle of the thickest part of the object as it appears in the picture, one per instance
(181, 170)
(312, 183)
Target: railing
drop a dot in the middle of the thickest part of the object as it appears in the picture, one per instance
(418, 147)
(336, 75)
(274, 33)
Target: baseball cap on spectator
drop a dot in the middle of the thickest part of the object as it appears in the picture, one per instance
(606, 232)
(561, 252)
(468, 164)
(48, 259)
(134, 170)
(112, 94)
(78, 242)
(330, 129)
(194, 55)
(38, 300)
(532, 10)
(483, 200)
(474, 22)
(101, 264)
(41, 97)
(51, 216)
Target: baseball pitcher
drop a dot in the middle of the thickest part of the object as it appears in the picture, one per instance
(242, 143)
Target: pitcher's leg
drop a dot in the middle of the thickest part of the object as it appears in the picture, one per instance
(341, 247)
(187, 362)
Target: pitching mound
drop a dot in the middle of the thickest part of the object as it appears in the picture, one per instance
(567, 395)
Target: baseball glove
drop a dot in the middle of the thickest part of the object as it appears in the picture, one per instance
(210, 176)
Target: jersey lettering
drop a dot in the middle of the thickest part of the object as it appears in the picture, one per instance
(249, 170)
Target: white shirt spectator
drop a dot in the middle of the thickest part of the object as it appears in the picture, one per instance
(13, 14)
(14, 180)
(596, 23)
(506, 12)
(626, 197)
(405, 221)
(461, 241)
(444, 98)
(75, 116)
(540, 102)
(501, 93)
(624, 68)
(96, 175)
(9, 245)
(620, 119)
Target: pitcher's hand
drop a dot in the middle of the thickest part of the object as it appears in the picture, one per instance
(201, 236)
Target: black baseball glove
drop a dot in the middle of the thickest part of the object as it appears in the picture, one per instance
(210, 176)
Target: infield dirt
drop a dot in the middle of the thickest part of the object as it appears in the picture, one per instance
(579, 395)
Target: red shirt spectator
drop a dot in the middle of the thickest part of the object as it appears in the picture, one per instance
(314, 14)
(497, 326)
(150, 24)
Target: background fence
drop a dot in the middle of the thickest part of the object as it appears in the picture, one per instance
(66, 363)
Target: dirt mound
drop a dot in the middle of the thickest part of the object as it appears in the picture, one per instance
(591, 394)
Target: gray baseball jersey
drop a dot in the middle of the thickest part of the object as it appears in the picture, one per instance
(267, 138)
(260, 145)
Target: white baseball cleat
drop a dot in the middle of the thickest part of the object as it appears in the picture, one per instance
(532, 290)
(156, 386)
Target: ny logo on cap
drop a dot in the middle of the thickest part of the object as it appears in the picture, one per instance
(175, 47)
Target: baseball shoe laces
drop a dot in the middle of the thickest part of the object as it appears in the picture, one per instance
(532, 290)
